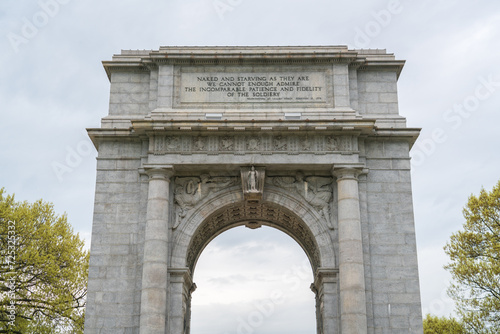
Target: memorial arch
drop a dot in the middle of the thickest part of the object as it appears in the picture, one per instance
(307, 140)
(278, 210)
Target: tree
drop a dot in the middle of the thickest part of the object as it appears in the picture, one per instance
(43, 270)
(475, 263)
(435, 325)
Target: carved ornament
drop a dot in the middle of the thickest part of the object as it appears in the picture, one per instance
(252, 143)
(253, 215)
(315, 190)
(189, 191)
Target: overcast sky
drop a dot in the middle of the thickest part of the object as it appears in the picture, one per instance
(53, 86)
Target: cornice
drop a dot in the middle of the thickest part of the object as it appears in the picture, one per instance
(383, 65)
(310, 55)
(244, 126)
(364, 126)
(408, 134)
(142, 129)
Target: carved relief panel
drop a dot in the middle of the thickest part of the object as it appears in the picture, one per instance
(315, 190)
(252, 143)
(189, 191)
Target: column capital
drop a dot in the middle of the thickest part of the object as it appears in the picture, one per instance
(343, 172)
(159, 171)
(180, 275)
(324, 275)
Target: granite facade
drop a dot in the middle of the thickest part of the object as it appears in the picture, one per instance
(169, 179)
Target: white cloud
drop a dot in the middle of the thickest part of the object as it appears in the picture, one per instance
(434, 282)
(265, 275)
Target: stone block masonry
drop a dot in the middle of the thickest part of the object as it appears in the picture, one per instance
(308, 140)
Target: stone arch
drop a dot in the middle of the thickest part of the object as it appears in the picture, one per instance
(278, 209)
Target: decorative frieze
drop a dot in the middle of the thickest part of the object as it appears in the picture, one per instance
(252, 143)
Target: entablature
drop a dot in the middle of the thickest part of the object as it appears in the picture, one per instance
(251, 137)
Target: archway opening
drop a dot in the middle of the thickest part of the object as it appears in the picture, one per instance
(253, 281)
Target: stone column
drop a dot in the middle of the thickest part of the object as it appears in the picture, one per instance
(319, 319)
(188, 307)
(325, 288)
(181, 287)
(351, 267)
(153, 316)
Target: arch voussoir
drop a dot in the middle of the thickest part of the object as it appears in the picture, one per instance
(228, 209)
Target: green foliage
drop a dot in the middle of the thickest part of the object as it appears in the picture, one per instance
(475, 263)
(43, 270)
(435, 325)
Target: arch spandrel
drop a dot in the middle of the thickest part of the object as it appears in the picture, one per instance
(277, 209)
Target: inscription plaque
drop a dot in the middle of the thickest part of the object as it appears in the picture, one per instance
(274, 87)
